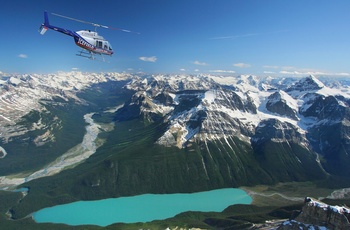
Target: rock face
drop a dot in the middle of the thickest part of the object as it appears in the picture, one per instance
(275, 130)
(281, 103)
(318, 215)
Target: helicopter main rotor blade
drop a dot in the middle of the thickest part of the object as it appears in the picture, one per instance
(78, 20)
(93, 24)
(127, 31)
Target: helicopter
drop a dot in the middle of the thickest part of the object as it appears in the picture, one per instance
(90, 42)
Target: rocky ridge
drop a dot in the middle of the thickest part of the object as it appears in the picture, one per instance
(318, 215)
(245, 101)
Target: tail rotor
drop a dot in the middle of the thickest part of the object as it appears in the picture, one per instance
(44, 27)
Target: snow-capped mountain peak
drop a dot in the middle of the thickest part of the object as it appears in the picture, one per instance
(313, 80)
(307, 84)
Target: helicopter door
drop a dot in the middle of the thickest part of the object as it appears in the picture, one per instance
(98, 44)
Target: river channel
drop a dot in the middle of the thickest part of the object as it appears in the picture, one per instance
(69, 159)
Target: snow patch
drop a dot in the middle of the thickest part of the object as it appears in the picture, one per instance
(14, 81)
(3, 152)
(318, 82)
(210, 96)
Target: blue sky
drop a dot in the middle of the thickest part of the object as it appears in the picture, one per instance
(184, 36)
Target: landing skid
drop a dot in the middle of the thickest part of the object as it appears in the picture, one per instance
(91, 56)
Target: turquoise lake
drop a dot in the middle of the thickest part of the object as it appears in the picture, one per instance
(141, 208)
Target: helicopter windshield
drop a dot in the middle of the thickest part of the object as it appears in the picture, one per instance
(109, 46)
(103, 44)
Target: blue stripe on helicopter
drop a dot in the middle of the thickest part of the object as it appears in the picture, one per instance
(83, 43)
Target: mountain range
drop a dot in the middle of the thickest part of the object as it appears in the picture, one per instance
(287, 129)
(219, 131)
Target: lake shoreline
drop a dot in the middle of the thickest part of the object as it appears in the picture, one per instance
(140, 208)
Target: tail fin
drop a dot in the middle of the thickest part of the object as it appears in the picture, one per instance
(46, 17)
(43, 28)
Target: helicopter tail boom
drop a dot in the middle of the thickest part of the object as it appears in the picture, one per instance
(46, 25)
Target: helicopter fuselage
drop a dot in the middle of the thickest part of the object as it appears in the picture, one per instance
(93, 42)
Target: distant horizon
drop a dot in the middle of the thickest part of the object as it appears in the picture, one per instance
(277, 75)
(282, 73)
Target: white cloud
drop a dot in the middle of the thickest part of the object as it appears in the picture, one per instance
(249, 35)
(221, 71)
(342, 74)
(182, 69)
(235, 36)
(288, 68)
(242, 65)
(149, 59)
(23, 56)
(301, 73)
(317, 73)
(200, 63)
(75, 68)
(196, 70)
(270, 67)
(291, 70)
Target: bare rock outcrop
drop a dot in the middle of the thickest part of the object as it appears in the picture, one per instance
(318, 215)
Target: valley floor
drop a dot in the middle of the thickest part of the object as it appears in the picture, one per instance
(74, 156)
(286, 193)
